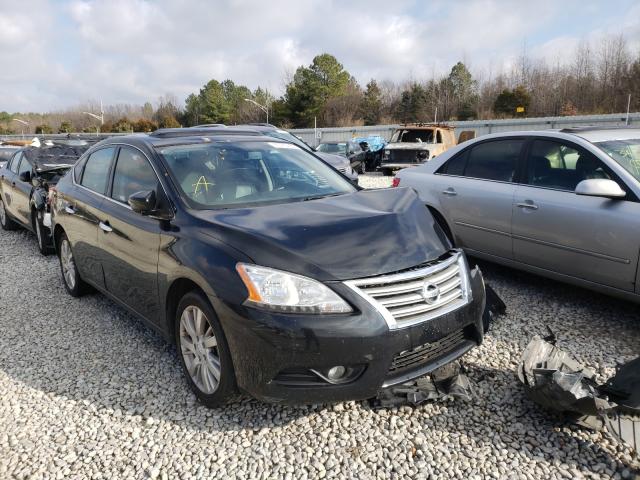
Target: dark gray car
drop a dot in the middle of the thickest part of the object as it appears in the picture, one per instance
(563, 204)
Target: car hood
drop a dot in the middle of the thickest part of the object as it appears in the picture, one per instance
(365, 233)
(409, 146)
(333, 160)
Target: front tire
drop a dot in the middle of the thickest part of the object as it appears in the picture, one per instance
(5, 221)
(75, 286)
(203, 351)
(363, 168)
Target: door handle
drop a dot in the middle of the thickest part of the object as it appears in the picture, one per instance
(70, 210)
(104, 226)
(530, 205)
(450, 191)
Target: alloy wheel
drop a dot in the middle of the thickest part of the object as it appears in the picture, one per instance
(3, 213)
(68, 264)
(199, 348)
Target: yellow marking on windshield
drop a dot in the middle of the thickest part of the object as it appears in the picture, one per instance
(202, 182)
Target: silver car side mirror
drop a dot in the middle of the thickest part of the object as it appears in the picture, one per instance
(600, 187)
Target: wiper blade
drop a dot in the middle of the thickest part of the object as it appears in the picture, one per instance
(316, 197)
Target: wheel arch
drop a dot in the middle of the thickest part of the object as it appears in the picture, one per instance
(178, 289)
(58, 230)
(439, 218)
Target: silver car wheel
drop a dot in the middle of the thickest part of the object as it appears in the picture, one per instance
(68, 264)
(3, 213)
(198, 346)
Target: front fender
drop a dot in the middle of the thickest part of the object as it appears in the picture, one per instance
(206, 261)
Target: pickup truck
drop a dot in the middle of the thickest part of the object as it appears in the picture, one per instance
(415, 144)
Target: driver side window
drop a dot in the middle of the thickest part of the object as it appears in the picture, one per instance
(133, 173)
(553, 164)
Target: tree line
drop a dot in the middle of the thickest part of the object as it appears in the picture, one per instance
(595, 80)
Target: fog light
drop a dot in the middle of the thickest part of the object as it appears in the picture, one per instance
(336, 373)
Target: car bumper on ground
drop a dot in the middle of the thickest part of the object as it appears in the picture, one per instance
(283, 358)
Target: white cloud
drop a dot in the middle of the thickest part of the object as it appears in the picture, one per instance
(63, 53)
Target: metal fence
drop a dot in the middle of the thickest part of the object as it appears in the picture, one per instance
(481, 127)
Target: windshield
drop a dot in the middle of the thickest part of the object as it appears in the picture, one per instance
(338, 148)
(625, 152)
(223, 175)
(413, 136)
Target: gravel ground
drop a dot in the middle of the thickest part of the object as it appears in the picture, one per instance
(86, 391)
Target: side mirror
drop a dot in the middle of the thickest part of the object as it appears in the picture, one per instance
(600, 187)
(25, 176)
(364, 146)
(143, 202)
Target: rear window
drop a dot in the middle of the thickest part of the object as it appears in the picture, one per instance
(224, 175)
(95, 175)
(338, 148)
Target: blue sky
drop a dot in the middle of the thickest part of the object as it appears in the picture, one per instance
(57, 54)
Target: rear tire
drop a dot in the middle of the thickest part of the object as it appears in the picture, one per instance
(387, 172)
(5, 221)
(204, 352)
(75, 286)
(363, 168)
(43, 235)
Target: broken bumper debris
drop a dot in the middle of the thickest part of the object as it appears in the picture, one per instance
(556, 381)
(446, 382)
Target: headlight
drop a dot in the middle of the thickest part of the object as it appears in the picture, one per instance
(289, 293)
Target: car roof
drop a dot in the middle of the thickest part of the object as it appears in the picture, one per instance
(602, 134)
(189, 136)
(424, 126)
(590, 134)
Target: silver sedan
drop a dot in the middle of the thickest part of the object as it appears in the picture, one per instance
(562, 204)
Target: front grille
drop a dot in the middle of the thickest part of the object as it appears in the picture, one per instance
(418, 294)
(404, 156)
(424, 354)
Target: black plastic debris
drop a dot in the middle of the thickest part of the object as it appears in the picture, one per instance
(447, 382)
(494, 307)
(555, 380)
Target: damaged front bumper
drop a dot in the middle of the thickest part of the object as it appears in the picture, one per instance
(283, 358)
(556, 381)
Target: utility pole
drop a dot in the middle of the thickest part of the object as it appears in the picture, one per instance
(23, 123)
(264, 108)
(628, 108)
(98, 117)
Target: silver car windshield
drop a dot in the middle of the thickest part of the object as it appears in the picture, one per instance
(225, 175)
(625, 152)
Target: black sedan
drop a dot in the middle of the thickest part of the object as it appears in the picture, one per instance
(351, 150)
(25, 182)
(247, 252)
